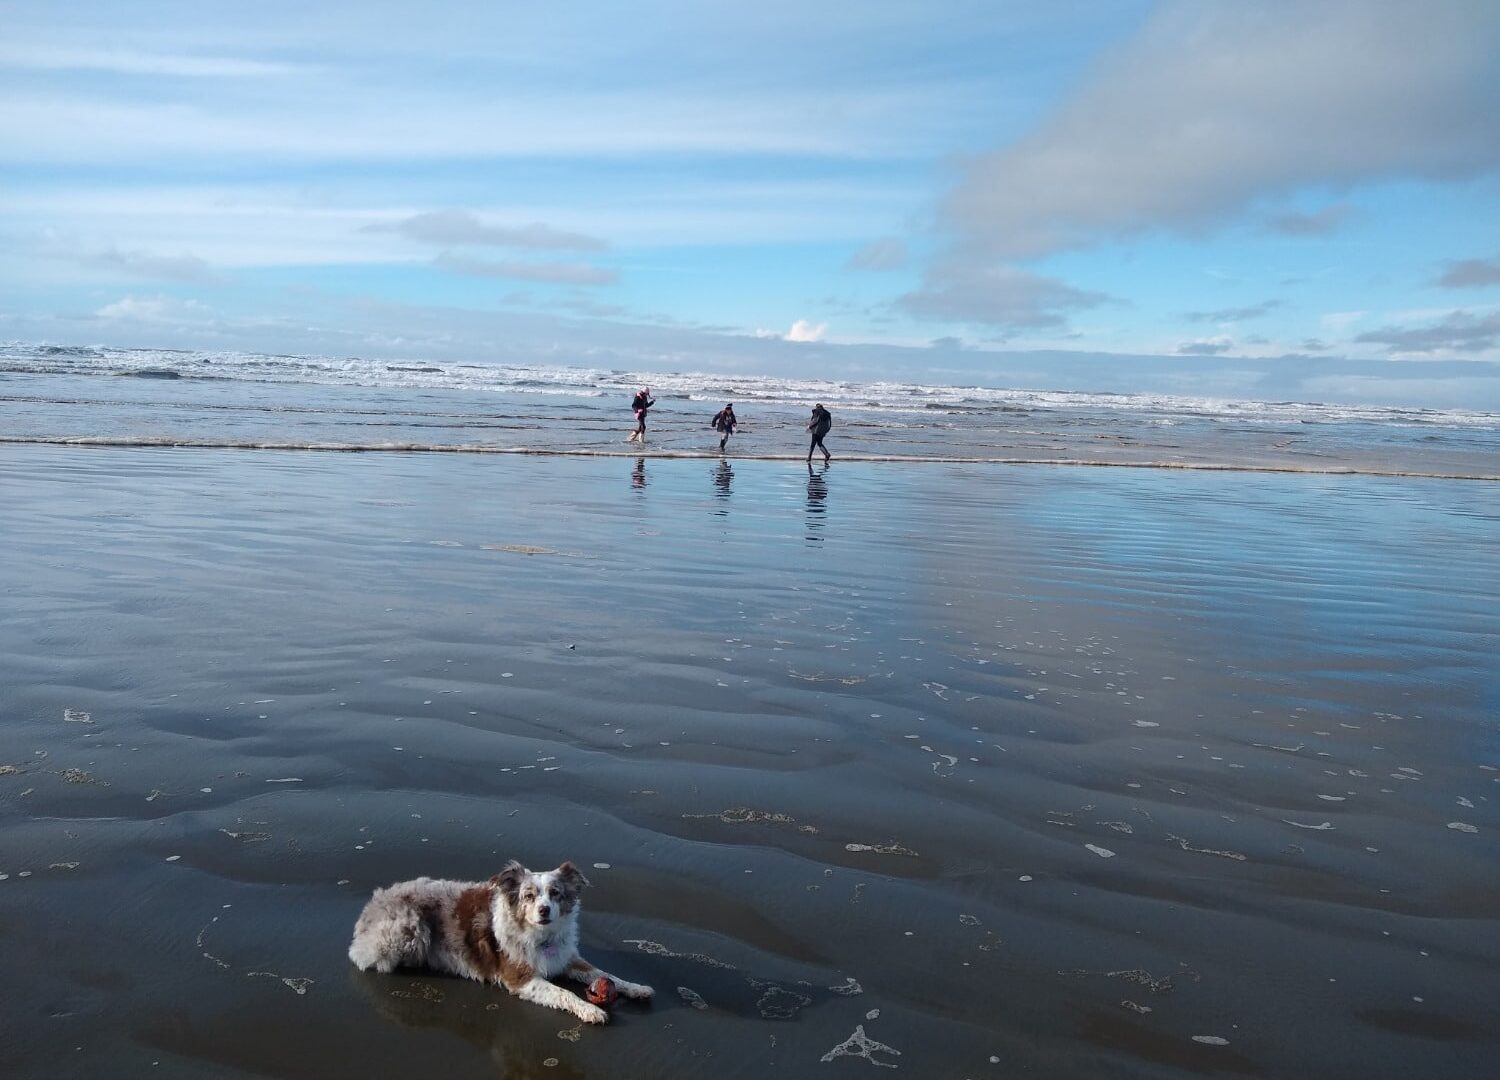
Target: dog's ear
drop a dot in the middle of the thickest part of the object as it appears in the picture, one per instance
(571, 876)
(508, 881)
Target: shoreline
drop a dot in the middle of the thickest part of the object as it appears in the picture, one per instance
(167, 443)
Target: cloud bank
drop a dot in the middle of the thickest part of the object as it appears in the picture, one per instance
(1213, 107)
(377, 329)
(1461, 332)
(1002, 296)
(1209, 112)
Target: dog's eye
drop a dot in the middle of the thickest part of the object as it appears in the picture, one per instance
(552, 893)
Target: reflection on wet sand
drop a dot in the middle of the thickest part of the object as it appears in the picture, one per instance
(638, 474)
(1165, 785)
(520, 1046)
(817, 498)
(724, 479)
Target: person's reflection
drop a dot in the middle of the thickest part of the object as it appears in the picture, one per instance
(723, 479)
(638, 474)
(817, 501)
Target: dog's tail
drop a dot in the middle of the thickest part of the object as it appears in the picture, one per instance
(389, 935)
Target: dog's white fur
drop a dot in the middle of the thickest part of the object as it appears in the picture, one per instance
(517, 930)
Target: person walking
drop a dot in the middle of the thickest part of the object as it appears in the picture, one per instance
(724, 422)
(640, 403)
(818, 426)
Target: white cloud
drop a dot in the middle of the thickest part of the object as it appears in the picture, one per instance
(802, 330)
(1213, 107)
(237, 225)
(130, 62)
(1339, 322)
(153, 309)
(344, 123)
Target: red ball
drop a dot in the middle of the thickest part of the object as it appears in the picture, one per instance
(602, 991)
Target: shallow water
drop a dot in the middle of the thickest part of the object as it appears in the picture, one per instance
(1011, 769)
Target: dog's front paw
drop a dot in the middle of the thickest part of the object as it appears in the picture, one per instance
(636, 990)
(592, 1014)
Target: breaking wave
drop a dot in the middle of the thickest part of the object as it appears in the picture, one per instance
(587, 382)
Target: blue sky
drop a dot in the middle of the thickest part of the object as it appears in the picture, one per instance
(1298, 197)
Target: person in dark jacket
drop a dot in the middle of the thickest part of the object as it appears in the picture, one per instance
(640, 403)
(818, 426)
(724, 422)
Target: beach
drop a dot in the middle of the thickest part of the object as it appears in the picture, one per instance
(1076, 659)
(969, 769)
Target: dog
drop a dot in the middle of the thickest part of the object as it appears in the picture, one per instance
(517, 930)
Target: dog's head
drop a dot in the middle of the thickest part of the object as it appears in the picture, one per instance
(539, 899)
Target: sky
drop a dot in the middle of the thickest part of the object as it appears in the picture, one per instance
(1293, 199)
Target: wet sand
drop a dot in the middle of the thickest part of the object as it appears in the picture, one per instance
(975, 770)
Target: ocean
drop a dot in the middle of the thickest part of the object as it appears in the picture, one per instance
(145, 397)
